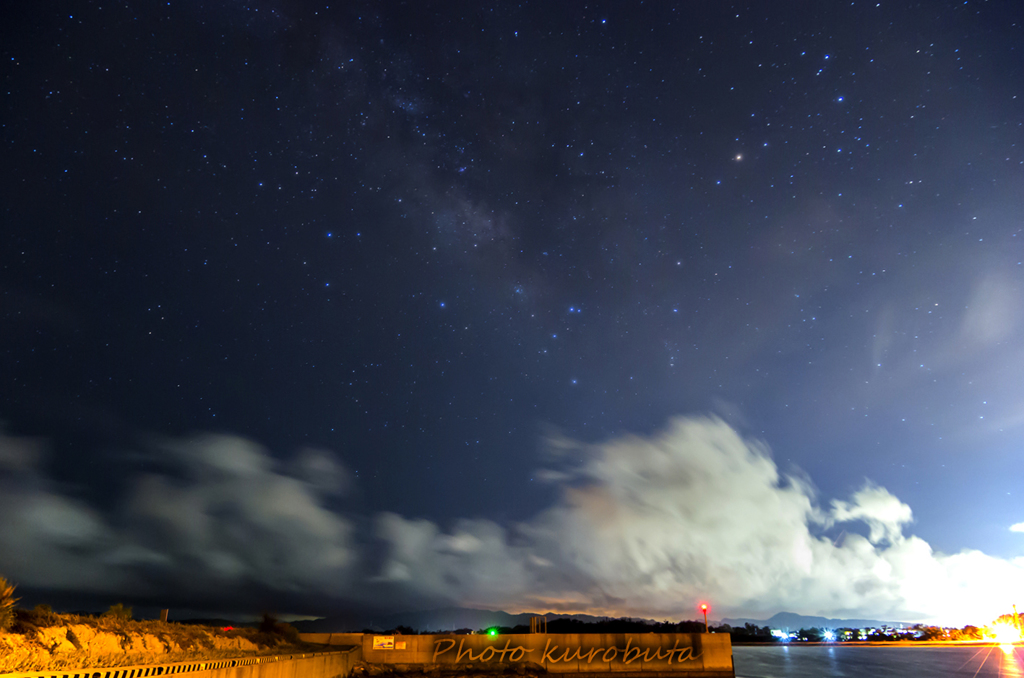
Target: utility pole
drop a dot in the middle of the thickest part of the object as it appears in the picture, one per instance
(704, 609)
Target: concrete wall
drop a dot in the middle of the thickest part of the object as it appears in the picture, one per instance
(644, 655)
(334, 664)
(621, 653)
(333, 638)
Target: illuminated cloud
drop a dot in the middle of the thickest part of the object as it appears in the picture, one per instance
(648, 526)
(1017, 527)
(884, 514)
(645, 526)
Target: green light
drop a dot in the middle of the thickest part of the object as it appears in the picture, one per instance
(492, 632)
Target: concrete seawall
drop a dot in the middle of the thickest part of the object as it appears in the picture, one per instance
(696, 655)
(336, 663)
(598, 655)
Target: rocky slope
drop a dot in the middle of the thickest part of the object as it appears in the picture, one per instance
(68, 641)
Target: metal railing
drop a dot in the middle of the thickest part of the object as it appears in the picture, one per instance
(165, 669)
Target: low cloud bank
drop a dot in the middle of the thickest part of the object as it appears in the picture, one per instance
(215, 514)
(645, 526)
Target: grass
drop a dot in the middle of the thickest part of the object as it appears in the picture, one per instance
(29, 646)
(8, 604)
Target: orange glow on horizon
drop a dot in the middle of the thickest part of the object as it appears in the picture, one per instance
(1004, 633)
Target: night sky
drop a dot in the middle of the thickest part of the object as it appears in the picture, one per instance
(603, 308)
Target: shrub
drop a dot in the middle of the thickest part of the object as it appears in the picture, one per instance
(273, 631)
(268, 624)
(119, 611)
(289, 632)
(7, 604)
(29, 622)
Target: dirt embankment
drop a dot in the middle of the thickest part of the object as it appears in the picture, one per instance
(57, 641)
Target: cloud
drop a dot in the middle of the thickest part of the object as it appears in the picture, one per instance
(474, 561)
(213, 515)
(1017, 527)
(644, 526)
(990, 316)
(227, 512)
(884, 514)
(321, 470)
(46, 534)
(649, 526)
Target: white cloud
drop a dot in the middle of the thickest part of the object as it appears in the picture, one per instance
(649, 526)
(884, 514)
(475, 561)
(227, 512)
(645, 526)
(1017, 527)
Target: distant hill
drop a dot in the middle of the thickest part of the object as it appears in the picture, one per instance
(454, 618)
(444, 619)
(790, 621)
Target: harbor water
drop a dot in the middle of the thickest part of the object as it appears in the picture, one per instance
(930, 661)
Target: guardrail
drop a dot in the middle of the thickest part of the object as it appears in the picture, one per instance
(213, 667)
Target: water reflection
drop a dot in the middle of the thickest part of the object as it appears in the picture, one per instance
(1012, 666)
(834, 667)
(936, 661)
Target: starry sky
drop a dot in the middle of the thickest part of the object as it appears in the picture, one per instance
(590, 307)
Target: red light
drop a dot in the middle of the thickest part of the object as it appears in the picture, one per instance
(704, 606)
